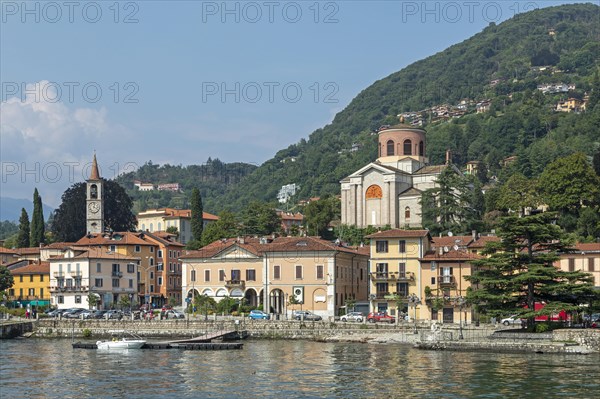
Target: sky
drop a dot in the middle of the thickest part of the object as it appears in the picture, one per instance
(180, 81)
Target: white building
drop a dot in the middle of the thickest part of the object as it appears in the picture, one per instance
(83, 271)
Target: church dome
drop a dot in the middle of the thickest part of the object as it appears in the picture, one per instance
(401, 141)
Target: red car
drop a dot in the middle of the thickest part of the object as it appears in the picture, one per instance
(380, 316)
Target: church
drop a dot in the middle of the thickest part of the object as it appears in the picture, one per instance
(388, 191)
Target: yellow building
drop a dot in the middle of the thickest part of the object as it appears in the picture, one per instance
(585, 258)
(267, 272)
(31, 284)
(395, 270)
(155, 220)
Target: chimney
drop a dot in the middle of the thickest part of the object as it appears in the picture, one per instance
(474, 234)
(448, 156)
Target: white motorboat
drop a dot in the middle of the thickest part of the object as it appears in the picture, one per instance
(135, 342)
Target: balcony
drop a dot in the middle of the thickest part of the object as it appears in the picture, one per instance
(117, 274)
(381, 295)
(392, 276)
(446, 281)
(241, 284)
(58, 274)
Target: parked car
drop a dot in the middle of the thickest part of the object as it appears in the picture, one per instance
(98, 314)
(380, 317)
(113, 314)
(87, 314)
(512, 320)
(306, 315)
(258, 314)
(55, 312)
(174, 314)
(353, 316)
(166, 307)
(73, 313)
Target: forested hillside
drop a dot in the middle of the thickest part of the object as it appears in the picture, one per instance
(505, 66)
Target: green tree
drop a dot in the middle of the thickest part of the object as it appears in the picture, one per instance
(225, 227)
(92, 300)
(7, 229)
(569, 183)
(260, 218)
(197, 219)
(588, 224)
(448, 207)
(6, 278)
(70, 217)
(23, 235)
(37, 221)
(173, 230)
(596, 161)
(318, 215)
(520, 271)
(517, 194)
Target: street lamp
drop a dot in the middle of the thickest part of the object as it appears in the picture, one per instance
(205, 307)
(413, 301)
(460, 301)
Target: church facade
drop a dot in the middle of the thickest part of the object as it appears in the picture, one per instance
(388, 191)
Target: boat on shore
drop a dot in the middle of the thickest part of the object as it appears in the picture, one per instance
(133, 342)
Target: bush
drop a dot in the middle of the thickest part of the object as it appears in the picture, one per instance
(87, 333)
(542, 327)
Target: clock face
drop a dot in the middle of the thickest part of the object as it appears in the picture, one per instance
(94, 207)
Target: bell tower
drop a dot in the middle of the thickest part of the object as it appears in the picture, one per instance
(94, 206)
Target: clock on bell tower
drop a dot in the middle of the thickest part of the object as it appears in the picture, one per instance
(94, 201)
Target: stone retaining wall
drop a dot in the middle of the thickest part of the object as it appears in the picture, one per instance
(587, 337)
(15, 329)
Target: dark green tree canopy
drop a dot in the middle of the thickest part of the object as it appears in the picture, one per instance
(37, 220)
(259, 218)
(6, 278)
(23, 235)
(70, 217)
(197, 219)
(225, 227)
(318, 215)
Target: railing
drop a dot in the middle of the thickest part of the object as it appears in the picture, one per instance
(392, 276)
(446, 280)
(235, 284)
(117, 274)
(59, 274)
(382, 295)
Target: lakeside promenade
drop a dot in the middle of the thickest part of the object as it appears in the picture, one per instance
(421, 335)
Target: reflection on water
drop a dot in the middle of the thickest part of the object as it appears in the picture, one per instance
(37, 368)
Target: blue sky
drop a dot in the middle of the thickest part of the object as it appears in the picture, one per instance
(181, 81)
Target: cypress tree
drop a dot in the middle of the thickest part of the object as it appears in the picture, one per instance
(23, 236)
(37, 221)
(197, 210)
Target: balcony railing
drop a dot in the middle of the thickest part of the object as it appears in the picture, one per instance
(81, 288)
(392, 276)
(117, 274)
(59, 274)
(446, 280)
(235, 284)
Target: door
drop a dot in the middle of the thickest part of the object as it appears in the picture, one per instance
(448, 315)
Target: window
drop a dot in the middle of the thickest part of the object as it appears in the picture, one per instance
(115, 282)
(31, 278)
(402, 289)
(590, 264)
(78, 282)
(77, 298)
(151, 261)
(236, 275)
(320, 274)
(298, 272)
(221, 275)
(159, 253)
(41, 292)
(69, 282)
(21, 278)
(151, 275)
(61, 299)
(407, 147)
(159, 282)
(402, 246)
(60, 282)
(193, 275)
(98, 268)
(42, 276)
(170, 254)
(421, 148)
(207, 275)
(407, 212)
(390, 147)
(151, 250)
(433, 280)
(138, 248)
(98, 282)
(93, 191)
(130, 283)
(113, 248)
(571, 265)
(20, 292)
(276, 272)
(381, 246)
(151, 288)
(402, 270)
(32, 292)
(250, 275)
(130, 268)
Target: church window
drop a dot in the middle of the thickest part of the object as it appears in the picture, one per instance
(407, 212)
(421, 149)
(93, 191)
(374, 191)
(407, 147)
(390, 147)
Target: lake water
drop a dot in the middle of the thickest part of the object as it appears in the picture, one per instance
(50, 368)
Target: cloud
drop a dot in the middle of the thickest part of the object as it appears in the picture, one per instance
(42, 141)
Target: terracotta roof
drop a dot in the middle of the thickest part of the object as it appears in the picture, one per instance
(58, 245)
(588, 247)
(172, 213)
(249, 244)
(290, 216)
(397, 233)
(483, 240)
(28, 251)
(94, 174)
(33, 268)
(7, 251)
(127, 238)
(431, 169)
(96, 253)
(164, 238)
(447, 241)
(450, 256)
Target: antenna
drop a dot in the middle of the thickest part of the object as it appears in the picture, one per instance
(450, 234)
(445, 249)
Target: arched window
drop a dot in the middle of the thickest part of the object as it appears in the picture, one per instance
(390, 147)
(421, 149)
(407, 213)
(159, 226)
(407, 147)
(380, 150)
(143, 227)
(93, 191)
(151, 227)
